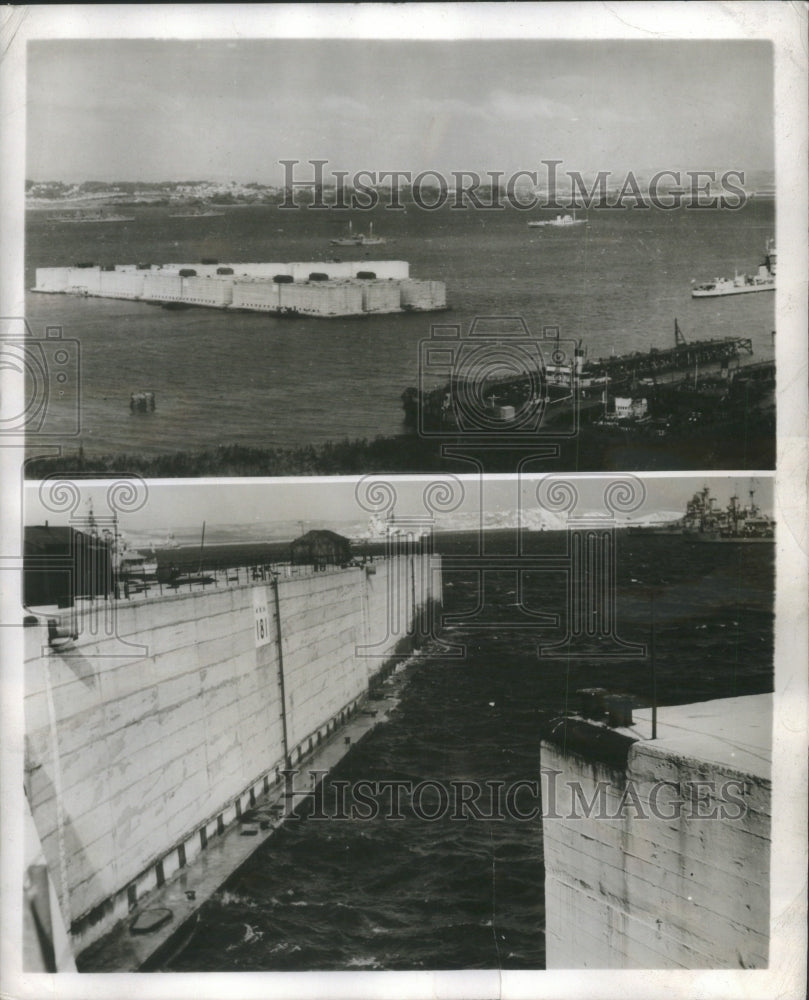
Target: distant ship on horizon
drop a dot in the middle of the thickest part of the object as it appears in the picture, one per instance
(560, 222)
(358, 239)
(82, 216)
(197, 213)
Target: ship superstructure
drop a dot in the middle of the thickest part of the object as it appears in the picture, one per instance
(705, 520)
(358, 239)
(762, 281)
(560, 222)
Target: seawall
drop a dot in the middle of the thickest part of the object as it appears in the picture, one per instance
(321, 288)
(166, 718)
(670, 869)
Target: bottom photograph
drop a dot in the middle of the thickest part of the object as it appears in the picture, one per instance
(404, 724)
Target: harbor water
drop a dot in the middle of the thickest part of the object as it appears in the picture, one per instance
(224, 378)
(458, 894)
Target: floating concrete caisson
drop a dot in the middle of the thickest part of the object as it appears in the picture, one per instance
(333, 288)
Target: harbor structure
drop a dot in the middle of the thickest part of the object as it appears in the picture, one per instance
(158, 728)
(320, 288)
(657, 850)
(578, 381)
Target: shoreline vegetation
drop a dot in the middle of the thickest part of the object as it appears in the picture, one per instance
(593, 450)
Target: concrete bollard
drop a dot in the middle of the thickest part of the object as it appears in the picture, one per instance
(619, 710)
(592, 702)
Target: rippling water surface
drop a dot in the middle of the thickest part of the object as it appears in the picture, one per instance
(222, 378)
(412, 894)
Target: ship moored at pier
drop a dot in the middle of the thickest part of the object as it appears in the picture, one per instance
(570, 382)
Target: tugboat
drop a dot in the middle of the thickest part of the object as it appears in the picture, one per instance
(762, 281)
(358, 239)
(705, 522)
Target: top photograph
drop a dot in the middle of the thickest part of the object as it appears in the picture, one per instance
(300, 257)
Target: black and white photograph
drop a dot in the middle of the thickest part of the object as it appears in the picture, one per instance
(404, 455)
(340, 256)
(363, 731)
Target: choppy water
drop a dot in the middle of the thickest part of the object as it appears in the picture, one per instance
(255, 380)
(412, 894)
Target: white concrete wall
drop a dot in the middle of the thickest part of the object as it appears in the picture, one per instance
(300, 270)
(260, 270)
(250, 294)
(336, 269)
(343, 299)
(208, 291)
(381, 296)
(129, 756)
(423, 295)
(162, 287)
(85, 278)
(51, 279)
(382, 268)
(652, 892)
(321, 298)
(122, 285)
(251, 286)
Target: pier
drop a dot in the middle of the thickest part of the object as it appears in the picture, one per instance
(657, 851)
(158, 728)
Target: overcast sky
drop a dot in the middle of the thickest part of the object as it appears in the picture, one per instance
(178, 506)
(140, 109)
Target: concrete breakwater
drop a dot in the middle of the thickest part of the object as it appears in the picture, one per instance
(322, 288)
(165, 719)
(657, 852)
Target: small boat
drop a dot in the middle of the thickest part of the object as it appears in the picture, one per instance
(90, 217)
(560, 222)
(739, 284)
(198, 213)
(358, 239)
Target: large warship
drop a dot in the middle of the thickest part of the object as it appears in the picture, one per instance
(705, 521)
(762, 281)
